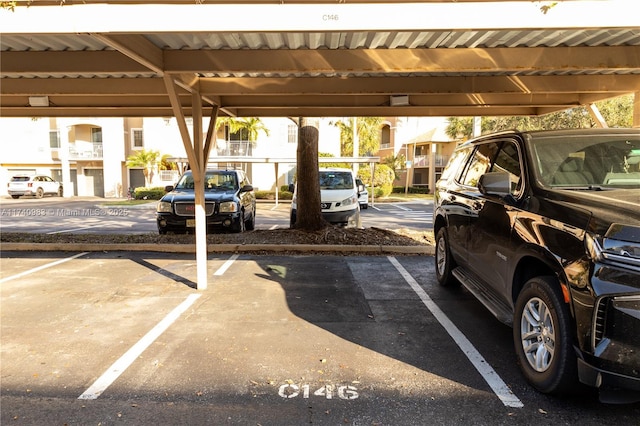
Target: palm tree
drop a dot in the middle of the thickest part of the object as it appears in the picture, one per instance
(395, 163)
(368, 135)
(253, 126)
(148, 160)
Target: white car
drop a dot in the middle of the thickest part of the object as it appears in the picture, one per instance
(33, 185)
(338, 198)
(363, 197)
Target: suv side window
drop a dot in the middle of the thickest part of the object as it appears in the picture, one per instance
(498, 156)
(455, 164)
(479, 164)
(508, 160)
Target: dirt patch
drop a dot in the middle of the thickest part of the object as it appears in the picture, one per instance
(331, 235)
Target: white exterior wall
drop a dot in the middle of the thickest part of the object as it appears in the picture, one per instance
(113, 143)
(163, 135)
(26, 143)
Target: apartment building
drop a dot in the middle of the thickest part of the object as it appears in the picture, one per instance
(89, 154)
(424, 145)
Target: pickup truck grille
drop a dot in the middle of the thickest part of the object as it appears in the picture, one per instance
(189, 209)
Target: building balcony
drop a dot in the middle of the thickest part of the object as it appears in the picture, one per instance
(85, 151)
(424, 160)
(234, 149)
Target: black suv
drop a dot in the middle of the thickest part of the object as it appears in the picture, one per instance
(230, 203)
(544, 229)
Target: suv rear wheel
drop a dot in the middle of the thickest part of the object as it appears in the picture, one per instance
(542, 337)
(444, 262)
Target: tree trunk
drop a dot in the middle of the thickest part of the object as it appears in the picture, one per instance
(309, 214)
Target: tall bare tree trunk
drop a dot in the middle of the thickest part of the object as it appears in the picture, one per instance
(309, 214)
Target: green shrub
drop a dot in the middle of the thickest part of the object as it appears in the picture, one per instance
(143, 193)
(271, 195)
(383, 191)
(411, 190)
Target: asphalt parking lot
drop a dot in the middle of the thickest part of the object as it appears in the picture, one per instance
(125, 338)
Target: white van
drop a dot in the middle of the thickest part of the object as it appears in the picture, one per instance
(338, 197)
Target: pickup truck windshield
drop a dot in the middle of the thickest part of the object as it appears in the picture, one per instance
(213, 182)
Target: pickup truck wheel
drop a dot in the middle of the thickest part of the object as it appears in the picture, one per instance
(239, 225)
(542, 337)
(444, 262)
(250, 225)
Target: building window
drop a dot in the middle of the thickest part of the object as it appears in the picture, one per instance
(292, 133)
(385, 137)
(96, 134)
(54, 138)
(137, 140)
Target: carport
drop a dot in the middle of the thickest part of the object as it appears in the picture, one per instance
(310, 59)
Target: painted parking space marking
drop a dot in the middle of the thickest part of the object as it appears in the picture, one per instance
(119, 367)
(398, 206)
(291, 390)
(40, 268)
(498, 386)
(62, 231)
(226, 265)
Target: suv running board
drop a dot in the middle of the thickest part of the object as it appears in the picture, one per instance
(498, 308)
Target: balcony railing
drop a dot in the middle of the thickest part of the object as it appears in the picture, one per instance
(235, 149)
(424, 160)
(85, 151)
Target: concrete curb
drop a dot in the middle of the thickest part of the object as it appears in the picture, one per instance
(221, 248)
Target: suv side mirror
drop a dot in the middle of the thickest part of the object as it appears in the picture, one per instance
(495, 183)
(168, 188)
(361, 188)
(246, 188)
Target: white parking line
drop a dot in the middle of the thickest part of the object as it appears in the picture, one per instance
(119, 367)
(39, 268)
(490, 376)
(226, 265)
(401, 207)
(74, 229)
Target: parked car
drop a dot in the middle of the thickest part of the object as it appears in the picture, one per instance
(338, 198)
(33, 185)
(543, 228)
(230, 203)
(363, 194)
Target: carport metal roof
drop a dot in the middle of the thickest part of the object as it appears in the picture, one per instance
(315, 58)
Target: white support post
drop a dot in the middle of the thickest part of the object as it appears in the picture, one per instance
(277, 187)
(63, 151)
(198, 182)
